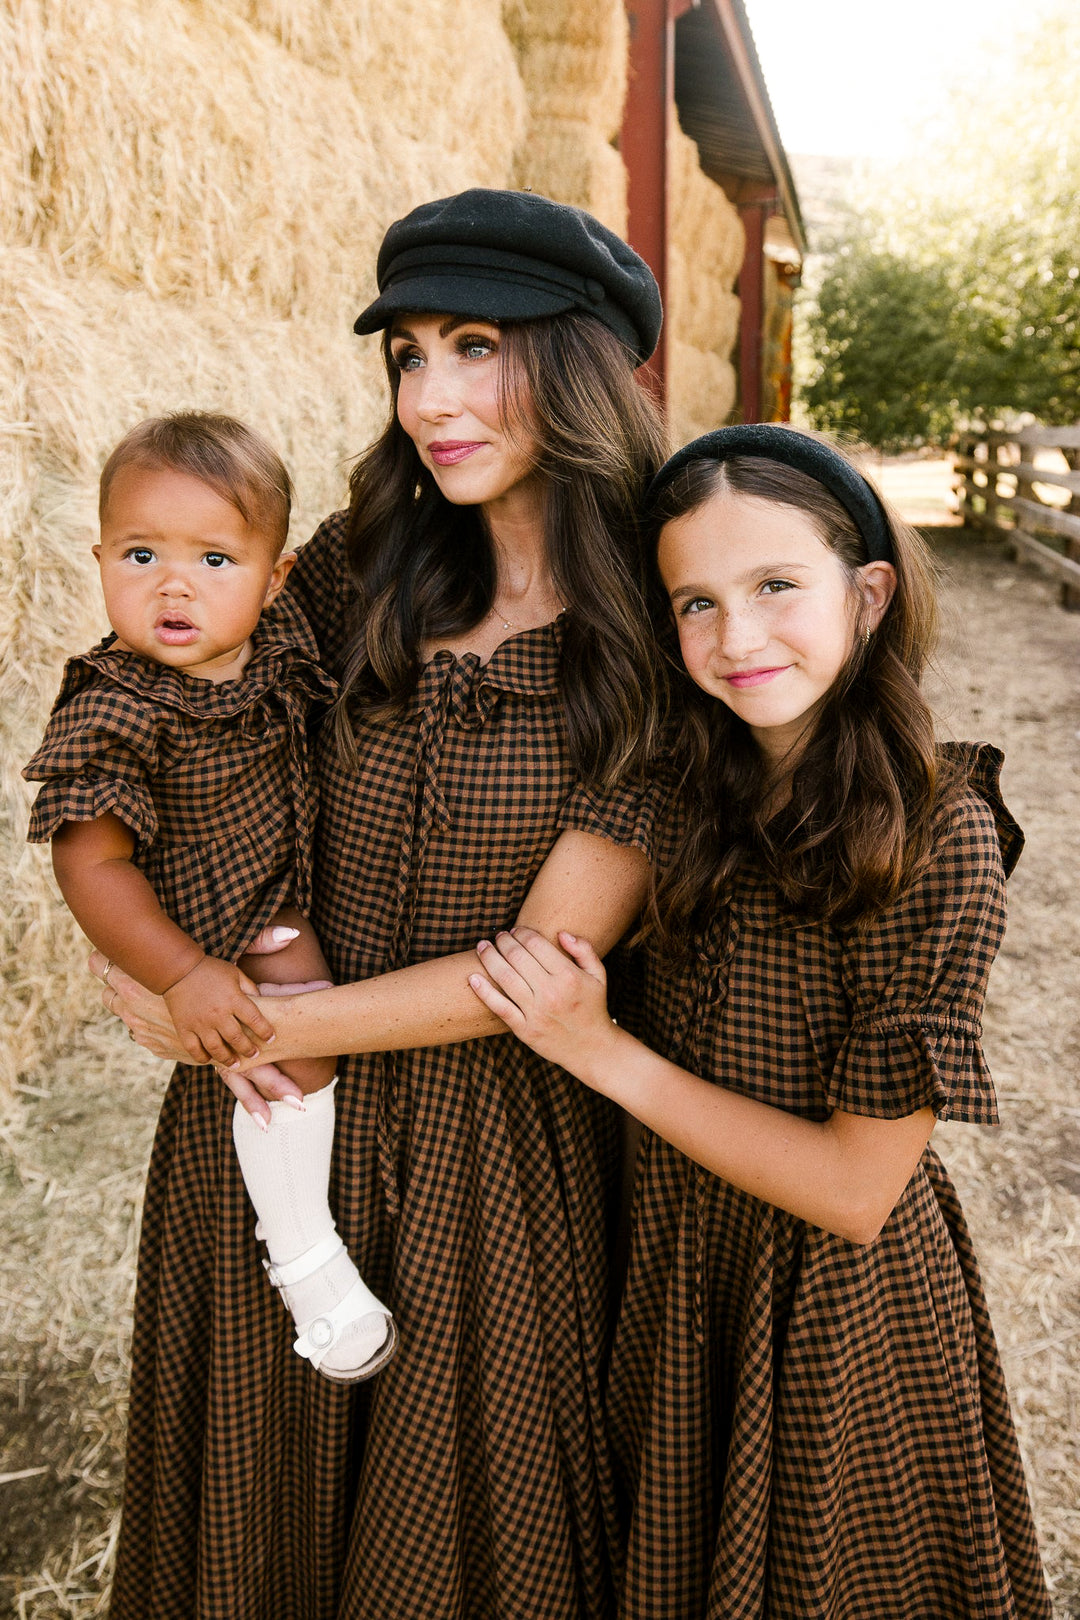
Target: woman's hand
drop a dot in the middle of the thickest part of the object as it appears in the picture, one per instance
(553, 1000)
(269, 940)
(147, 1020)
(145, 1015)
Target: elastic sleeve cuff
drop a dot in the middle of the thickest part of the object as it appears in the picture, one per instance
(891, 1070)
(84, 799)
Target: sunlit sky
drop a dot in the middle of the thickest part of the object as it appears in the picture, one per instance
(849, 76)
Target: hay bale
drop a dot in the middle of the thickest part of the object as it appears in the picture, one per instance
(183, 150)
(704, 257)
(573, 59)
(567, 159)
(194, 192)
(702, 392)
(574, 63)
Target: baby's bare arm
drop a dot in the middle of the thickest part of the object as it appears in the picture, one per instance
(118, 910)
(116, 907)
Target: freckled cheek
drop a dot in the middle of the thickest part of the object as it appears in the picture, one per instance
(696, 643)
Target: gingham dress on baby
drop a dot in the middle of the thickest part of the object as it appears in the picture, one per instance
(212, 778)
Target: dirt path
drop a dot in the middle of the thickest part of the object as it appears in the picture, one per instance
(74, 1150)
(1010, 672)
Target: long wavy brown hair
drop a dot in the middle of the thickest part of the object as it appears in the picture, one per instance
(866, 788)
(423, 568)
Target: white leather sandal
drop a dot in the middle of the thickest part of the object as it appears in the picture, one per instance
(317, 1336)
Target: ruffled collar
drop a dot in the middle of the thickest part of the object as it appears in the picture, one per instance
(284, 651)
(526, 663)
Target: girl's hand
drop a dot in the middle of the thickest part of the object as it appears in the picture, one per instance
(553, 1000)
(215, 1018)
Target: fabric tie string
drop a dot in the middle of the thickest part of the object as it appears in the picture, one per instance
(451, 689)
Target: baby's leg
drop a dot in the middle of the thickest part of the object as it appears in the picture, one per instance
(343, 1329)
(299, 962)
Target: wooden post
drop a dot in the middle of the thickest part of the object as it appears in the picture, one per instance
(1070, 594)
(994, 446)
(965, 447)
(983, 458)
(752, 298)
(1024, 452)
(643, 143)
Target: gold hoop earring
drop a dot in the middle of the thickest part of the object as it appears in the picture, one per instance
(866, 637)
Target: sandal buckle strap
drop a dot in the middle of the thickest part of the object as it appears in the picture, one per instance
(294, 1271)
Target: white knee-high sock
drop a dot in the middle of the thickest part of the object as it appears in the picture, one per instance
(286, 1171)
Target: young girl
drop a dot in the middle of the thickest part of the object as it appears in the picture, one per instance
(805, 1388)
(179, 806)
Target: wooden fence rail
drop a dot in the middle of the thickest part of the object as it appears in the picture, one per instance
(997, 474)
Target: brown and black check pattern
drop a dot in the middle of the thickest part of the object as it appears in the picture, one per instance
(471, 1479)
(806, 1427)
(213, 779)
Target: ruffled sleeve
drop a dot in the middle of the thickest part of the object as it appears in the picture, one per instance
(98, 754)
(319, 582)
(916, 977)
(631, 814)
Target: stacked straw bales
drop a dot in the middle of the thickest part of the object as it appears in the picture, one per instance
(705, 253)
(193, 192)
(573, 61)
(193, 195)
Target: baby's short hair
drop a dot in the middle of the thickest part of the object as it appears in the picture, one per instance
(221, 452)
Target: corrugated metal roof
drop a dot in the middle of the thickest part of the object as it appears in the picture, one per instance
(724, 107)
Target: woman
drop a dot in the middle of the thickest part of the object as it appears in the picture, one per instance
(480, 604)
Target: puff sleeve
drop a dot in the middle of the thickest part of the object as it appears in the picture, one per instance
(99, 754)
(631, 814)
(916, 980)
(319, 582)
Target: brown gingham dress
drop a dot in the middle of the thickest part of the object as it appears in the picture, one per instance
(811, 1429)
(212, 778)
(471, 1479)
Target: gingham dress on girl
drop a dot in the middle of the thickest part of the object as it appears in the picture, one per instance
(471, 1479)
(212, 778)
(811, 1429)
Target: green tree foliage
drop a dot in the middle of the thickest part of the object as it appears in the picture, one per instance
(955, 296)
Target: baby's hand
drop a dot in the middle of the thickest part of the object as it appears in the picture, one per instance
(553, 1000)
(214, 1013)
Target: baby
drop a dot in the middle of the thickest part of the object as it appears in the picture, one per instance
(178, 802)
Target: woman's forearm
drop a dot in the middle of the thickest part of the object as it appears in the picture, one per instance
(427, 1004)
(585, 881)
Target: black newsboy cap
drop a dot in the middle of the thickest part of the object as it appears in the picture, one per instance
(513, 256)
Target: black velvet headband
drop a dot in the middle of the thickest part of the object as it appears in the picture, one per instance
(797, 450)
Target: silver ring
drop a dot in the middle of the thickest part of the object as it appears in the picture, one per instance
(111, 1005)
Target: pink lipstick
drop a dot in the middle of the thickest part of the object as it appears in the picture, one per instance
(448, 452)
